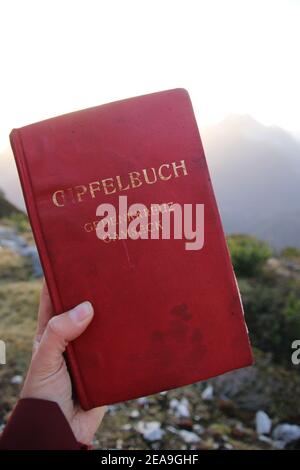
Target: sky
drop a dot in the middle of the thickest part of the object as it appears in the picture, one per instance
(232, 56)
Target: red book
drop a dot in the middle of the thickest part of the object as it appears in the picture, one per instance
(165, 316)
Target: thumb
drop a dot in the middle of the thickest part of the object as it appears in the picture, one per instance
(59, 331)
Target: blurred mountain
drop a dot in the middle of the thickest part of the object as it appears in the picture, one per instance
(256, 175)
(6, 207)
(9, 180)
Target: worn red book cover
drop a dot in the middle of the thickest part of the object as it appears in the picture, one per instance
(165, 316)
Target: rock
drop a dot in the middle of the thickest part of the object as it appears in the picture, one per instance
(111, 409)
(119, 444)
(278, 445)
(266, 439)
(173, 403)
(95, 443)
(218, 429)
(228, 446)
(10, 239)
(285, 433)
(294, 445)
(134, 414)
(31, 252)
(180, 407)
(208, 393)
(238, 431)
(185, 423)
(189, 437)
(263, 386)
(263, 423)
(142, 401)
(151, 430)
(16, 379)
(126, 427)
(208, 444)
(198, 429)
(225, 404)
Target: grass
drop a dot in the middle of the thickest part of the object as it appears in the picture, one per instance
(14, 266)
(18, 310)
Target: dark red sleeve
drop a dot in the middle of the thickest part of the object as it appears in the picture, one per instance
(38, 425)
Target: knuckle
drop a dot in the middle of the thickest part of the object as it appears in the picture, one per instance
(54, 330)
(53, 326)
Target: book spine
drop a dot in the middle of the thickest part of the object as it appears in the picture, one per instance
(24, 175)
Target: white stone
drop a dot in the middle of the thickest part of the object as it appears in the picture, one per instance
(180, 408)
(16, 379)
(263, 423)
(126, 427)
(208, 393)
(189, 437)
(150, 430)
(286, 433)
(142, 401)
(198, 428)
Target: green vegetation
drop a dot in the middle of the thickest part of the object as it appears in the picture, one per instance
(248, 254)
(271, 296)
(19, 220)
(12, 216)
(14, 266)
(291, 253)
(18, 308)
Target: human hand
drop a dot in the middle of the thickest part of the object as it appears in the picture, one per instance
(48, 377)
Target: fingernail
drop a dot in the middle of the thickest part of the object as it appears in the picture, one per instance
(81, 311)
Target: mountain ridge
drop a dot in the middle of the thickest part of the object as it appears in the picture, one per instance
(255, 170)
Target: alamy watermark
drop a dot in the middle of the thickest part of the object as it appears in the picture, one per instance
(296, 354)
(2, 352)
(159, 221)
